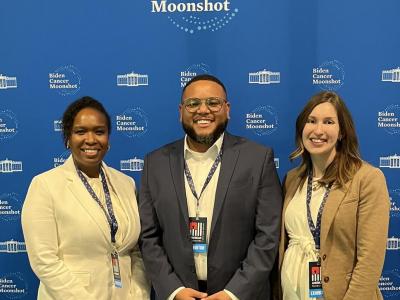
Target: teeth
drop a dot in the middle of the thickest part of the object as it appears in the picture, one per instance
(91, 151)
(203, 121)
(317, 140)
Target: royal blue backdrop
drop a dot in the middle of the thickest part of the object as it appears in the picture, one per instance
(135, 55)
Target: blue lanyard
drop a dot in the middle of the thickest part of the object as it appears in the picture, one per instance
(209, 176)
(315, 229)
(112, 221)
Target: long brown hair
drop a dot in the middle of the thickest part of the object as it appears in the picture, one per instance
(347, 160)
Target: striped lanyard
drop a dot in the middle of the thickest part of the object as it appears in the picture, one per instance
(209, 176)
(112, 221)
(315, 229)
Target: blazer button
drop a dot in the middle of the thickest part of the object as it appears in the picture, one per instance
(326, 279)
(324, 257)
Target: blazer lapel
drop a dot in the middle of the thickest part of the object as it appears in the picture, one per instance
(176, 167)
(333, 202)
(82, 196)
(228, 163)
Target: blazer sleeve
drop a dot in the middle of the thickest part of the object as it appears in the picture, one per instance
(258, 264)
(158, 268)
(40, 232)
(372, 230)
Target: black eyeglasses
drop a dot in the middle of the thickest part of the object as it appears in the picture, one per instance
(214, 104)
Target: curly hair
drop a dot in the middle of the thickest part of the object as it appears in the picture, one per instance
(74, 108)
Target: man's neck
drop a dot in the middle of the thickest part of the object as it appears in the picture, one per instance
(197, 147)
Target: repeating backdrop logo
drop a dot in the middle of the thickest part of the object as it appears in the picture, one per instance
(264, 77)
(196, 16)
(276, 161)
(12, 247)
(13, 286)
(392, 75)
(132, 164)
(389, 119)
(394, 203)
(8, 124)
(7, 82)
(389, 284)
(10, 207)
(263, 120)
(57, 125)
(132, 122)
(59, 160)
(391, 161)
(66, 80)
(10, 166)
(329, 75)
(132, 79)
(393, 243)
(193, 71)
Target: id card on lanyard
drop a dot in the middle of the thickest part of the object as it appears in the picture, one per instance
(112, 221)
(198, 225)
(314, 267)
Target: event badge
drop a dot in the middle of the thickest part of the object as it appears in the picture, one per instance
(116, 270)
(198, 234)
(314, 280)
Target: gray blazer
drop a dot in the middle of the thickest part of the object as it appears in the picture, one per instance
(245, 227)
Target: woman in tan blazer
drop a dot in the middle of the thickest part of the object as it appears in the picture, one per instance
(336, 210)
(80, 220)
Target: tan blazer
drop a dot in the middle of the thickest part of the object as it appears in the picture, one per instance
(68, 238)
(353, 234)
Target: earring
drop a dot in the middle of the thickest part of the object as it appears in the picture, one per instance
(109, 147)
(68, 144)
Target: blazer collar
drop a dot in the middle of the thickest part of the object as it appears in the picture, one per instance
(83, 198)
(230, 156)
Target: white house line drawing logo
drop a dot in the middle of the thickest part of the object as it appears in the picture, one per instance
(133, 164)
(10, 166)
(392, 75)
(265, 77)
(393, 243)
(132, 79)
(7, 82)
(12, 247)
(57, 124)
(198, 16)
(392, 161)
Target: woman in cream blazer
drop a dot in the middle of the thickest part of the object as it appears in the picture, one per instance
(66, 232)
(354, 220)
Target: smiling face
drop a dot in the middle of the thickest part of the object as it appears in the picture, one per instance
(321, 132)
(89, 140)
(203, 126)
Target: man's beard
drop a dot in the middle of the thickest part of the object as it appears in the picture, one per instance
(205, 139)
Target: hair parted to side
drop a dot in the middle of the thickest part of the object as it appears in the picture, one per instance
(204, 77)
(74, 108)
(347, 160)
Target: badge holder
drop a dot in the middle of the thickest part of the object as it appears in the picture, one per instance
(198, 234)
(116, 270)
(314, 280)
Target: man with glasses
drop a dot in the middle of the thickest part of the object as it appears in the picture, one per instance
(210, 206)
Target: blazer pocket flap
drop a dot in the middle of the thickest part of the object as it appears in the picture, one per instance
(82, 277)
(350, 200)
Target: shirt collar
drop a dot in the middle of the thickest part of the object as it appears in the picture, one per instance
(211, 152)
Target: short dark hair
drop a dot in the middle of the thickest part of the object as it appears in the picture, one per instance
(204, 77)
(74, 108)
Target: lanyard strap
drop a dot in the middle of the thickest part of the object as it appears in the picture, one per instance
(112, 221)
(208, 179)
(315, 229)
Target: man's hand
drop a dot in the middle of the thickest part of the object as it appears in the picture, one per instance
(218, 296)
(190, 294)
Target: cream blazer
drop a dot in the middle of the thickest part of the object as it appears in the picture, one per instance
(68, 238)
(354, 230)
